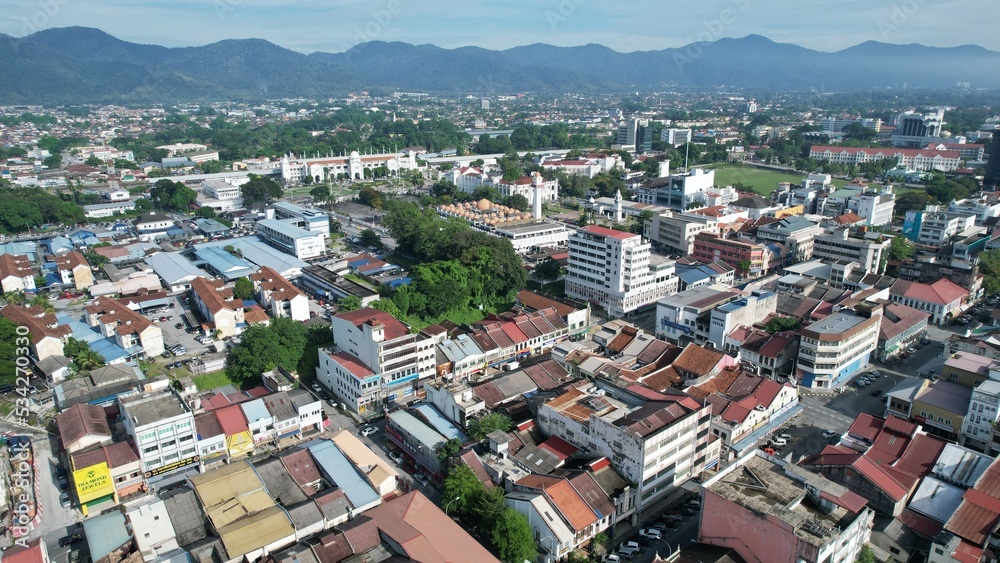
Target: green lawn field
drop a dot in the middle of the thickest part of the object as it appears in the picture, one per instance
(763, 181)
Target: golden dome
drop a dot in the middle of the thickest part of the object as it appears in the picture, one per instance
(484, 205)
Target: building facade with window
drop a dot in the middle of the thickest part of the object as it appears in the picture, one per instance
(162, 426)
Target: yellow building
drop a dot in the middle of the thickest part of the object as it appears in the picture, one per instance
(940, 407)
(239, 442)
(94, 486)
(967, 368)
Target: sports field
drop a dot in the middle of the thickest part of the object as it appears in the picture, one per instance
(762, 181)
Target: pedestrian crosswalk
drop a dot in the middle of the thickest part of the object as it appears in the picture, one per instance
(816, 413)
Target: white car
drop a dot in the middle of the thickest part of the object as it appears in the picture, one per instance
(368, 431)
(650, 534)
(829, 434)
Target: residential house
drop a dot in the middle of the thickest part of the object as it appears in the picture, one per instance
(279, 297)
(74, 270)
(16, 273)
(134, 333)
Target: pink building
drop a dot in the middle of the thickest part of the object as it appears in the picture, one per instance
(767, 510)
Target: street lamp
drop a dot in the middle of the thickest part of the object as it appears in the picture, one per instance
(450, 503)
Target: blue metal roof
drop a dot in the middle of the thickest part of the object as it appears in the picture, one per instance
(255, 410)
(105, 533)
(342, 472)
(439, 422)
(106, 347)
(227, 265)
(261, 254)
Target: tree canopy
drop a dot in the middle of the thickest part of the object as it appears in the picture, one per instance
(459, 267)
(260, 190)
(265, 347)
(480, 427)
(512, 538)
(172, 196)
(243, 289)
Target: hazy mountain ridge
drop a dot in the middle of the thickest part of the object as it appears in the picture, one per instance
(80, 65)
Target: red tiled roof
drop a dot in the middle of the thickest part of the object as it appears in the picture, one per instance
(352, 364)
(866, 426)
(920, 455)
(889, 152)
(232, 421)
(576, 511)
(301, 466)
(71, 260)
(941, 292)
(215, 295)
(880, 478)
(472, 460)
(425, 533)
(849, 500)
(15, 265)
(697, 361)
(40, 324)
(920, 524)
(393, 328)
(561, 448)
(965, 552)
(606, 232)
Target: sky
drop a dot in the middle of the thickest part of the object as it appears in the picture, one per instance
(637, 25)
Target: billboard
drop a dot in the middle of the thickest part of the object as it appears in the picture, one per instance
(93, 482)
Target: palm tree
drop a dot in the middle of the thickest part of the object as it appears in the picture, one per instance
(87, 360)
(14, 297)
(42, 300)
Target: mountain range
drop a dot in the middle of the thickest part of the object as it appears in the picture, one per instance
(86, 65)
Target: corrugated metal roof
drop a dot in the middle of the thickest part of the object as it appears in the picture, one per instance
(339, 470)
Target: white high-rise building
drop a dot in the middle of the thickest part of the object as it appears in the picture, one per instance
(612, 269)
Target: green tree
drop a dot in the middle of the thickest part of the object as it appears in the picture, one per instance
(320, 192)
(781, 324)
(463, 485)
(233, 250)
(8, 349)
(518, 201)
(42, 300)
(243, 289)
(487, 506)
(548, 269)
(989, 266)
(744, 266)
(387, 305)
(94, 161)
(83, 357)
(866, 554)
(512, 538)
(449, 448)
(900, 248)
(265, 347)
(482, 426)
(260, 190)
(52, 161)
(368, 237)
(205, 212)
(172, 196)
(348, 304)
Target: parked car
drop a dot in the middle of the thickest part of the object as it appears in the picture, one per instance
(673, 517)
(628, 545)
(69, 540)
(779, 442)
(179, 326)
(64, 500)
(877, 393)
(421, 478)
(368, 430)
(785, 437)
(650, 533)
(830, 434)
(611, 558)
(395, 457)
(911, 350)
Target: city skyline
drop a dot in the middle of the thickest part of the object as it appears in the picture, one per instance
(309, 25)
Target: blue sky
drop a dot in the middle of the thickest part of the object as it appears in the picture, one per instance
(336, 25)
